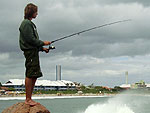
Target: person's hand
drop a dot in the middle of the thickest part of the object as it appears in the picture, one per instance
(47, 42)
(46, 50)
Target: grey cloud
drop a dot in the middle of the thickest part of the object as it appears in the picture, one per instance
(60, 18)
(145, 3)
(98, 70)
(122, 33)
(77, 55)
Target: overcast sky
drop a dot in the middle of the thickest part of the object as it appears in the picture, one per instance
(101, 56)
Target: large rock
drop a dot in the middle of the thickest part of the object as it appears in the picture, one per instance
(23, 108)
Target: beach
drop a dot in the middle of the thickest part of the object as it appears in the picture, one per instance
(52, 96)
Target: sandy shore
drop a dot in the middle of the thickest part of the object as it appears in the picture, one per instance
(53, 96)
(56, 95)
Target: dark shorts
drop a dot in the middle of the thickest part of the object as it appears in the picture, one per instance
(32, 64)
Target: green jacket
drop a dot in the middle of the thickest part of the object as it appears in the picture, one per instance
(29, 38)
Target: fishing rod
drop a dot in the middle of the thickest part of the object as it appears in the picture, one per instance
(77, 33)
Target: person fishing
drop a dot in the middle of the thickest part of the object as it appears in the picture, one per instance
(31, 45)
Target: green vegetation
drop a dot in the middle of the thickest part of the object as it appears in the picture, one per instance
(55, 92)
(117, 89)
(11, 89)
(0, 84)
(94, 89)
(91, 89)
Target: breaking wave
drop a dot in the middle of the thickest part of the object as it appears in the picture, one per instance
(108, 108)
(118, 104)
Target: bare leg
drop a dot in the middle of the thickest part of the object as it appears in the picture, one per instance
(29, 85)
(33, 83)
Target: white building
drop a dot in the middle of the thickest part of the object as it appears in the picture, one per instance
(126, 86)
(148, 86)
(19, 85)
(134, 86)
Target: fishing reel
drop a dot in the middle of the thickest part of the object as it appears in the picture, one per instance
(51, 47)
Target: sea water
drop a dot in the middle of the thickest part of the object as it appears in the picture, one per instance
(123, 103)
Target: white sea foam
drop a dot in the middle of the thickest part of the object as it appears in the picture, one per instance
(117, 104)
(47, 97)
(108, 108)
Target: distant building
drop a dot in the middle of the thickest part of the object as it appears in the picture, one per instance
(19, 85)
(138, 85)
(126, 86)
(58, 72)
(148, 86)
(126, 73)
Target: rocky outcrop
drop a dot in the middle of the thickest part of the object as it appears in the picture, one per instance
(23, 108)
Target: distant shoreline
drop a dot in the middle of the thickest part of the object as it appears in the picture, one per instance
(52, 96)
(44, 95)
(56, 96)
(74, 95)
(84, 94)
